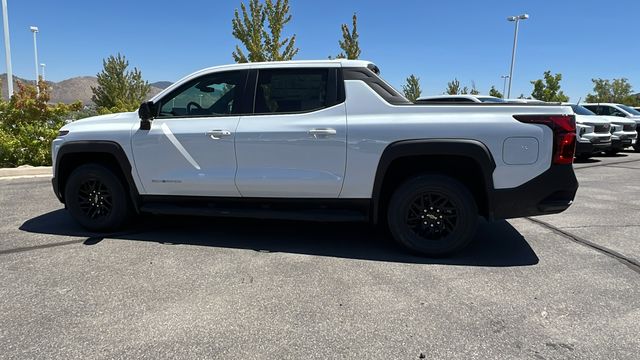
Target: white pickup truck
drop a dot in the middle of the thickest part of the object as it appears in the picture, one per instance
(626, 120)
(317, 140)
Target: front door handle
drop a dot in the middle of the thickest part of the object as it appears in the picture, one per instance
(322, 132)
(217, 134)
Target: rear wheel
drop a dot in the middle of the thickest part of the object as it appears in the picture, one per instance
(433, 215)
(96, 198)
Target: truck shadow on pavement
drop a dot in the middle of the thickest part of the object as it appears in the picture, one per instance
(496, 244)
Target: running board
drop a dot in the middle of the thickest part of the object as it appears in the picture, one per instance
(332, 215)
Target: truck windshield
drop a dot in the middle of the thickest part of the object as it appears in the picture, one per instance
(630, 110)
(581, 110)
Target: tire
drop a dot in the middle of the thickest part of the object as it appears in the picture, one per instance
(441, 196)
(612, 152)
(636, 146)
(97, 199)
(583, 157)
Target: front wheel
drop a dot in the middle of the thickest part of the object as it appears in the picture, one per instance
(433, 215)
(96, 198)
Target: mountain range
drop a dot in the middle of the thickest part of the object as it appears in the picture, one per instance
(76, 88)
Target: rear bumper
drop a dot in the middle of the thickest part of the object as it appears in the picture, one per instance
(549, 193)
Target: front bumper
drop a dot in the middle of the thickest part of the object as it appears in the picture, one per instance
(590, 148)
(621, 143)
(549, 193)
(56, 189)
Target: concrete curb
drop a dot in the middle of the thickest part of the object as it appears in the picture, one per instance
(25, 171)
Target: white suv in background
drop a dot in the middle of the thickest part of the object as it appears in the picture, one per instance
(620, 111)
(592, 132)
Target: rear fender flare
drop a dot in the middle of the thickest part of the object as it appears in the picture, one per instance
(468, 148)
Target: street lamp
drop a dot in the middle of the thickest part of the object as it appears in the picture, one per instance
(7, 47)
(504, 83)
(34, 30)
(43, 65)
(515, 19)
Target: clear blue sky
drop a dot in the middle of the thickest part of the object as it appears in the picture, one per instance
(437, 41)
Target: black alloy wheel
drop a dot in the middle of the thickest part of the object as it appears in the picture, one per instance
(97, 198)
(434, 215)
(94, 199)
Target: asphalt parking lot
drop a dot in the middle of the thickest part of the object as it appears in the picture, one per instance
(556, 287)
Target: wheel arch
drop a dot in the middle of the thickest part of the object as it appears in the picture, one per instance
(449, 156)
(108, 153)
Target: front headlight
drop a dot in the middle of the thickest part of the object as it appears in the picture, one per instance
(584, 129)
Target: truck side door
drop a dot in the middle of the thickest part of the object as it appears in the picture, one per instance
(189, 149)
(294, 143)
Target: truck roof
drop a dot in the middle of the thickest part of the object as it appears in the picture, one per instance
(273, 64)
(293, 64)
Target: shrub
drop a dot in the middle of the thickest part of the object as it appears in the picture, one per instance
(28, 124)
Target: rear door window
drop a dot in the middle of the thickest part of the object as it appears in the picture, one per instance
(291, 90)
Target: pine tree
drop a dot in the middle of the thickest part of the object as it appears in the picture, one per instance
(349, 43)
(453, 87)
(474, 90)
(412, 89)
(118, 89)
(494, 92)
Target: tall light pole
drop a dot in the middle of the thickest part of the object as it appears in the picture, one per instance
(516, 19)
(7, 47)
(504, 84)
(43, 65)
(34, 30)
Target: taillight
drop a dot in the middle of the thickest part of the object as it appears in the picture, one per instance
(564, 134)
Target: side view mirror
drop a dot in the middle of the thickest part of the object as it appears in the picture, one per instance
(146, 112)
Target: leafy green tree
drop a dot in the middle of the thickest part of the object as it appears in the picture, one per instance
(250, 31)
(349, 43)
(28, 124)
(494, 92)
(453, 87)
(615, 91)
(118, 89)
(260, 44)
(548, 89)
(278, 48)
(412, 89)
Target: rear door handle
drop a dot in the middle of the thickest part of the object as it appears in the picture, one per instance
(322, 132)
(217, 134)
